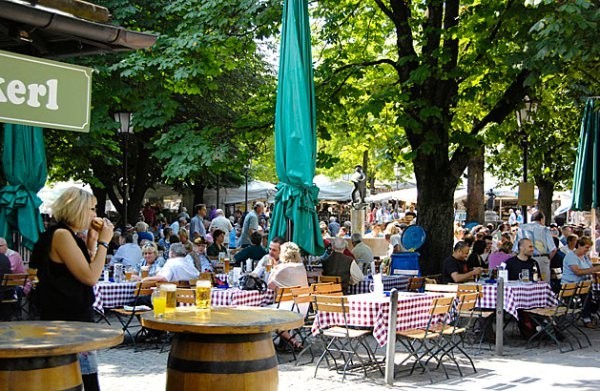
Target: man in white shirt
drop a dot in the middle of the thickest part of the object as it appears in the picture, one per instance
(272, 256)
(177, 267)
(223, 223)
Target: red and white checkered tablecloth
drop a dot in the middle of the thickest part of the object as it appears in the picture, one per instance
(113, 294)
(237, 297)
(389, 283)
(519, 295)
(373, 311)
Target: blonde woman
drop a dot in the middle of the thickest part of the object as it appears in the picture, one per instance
(68, 266)
(151, 259)
(289, 272)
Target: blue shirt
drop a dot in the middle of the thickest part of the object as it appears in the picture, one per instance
(540, 237)
(128, 254)
(573, 260)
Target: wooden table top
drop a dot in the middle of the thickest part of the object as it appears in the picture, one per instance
(224, 320)
(53, 338)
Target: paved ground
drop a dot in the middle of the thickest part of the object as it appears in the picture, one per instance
(519, 368)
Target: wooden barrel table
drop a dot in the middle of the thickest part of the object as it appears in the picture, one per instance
(44, 353)
(223, 348)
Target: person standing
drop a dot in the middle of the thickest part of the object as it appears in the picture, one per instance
(197, 224)
(223, 223)
(251, 224)
(68, 267)
(543, 244)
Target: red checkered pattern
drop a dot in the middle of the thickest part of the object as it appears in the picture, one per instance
(518, 295)
(372, 311)
(389, 283)
(237, 297)
(113, 294)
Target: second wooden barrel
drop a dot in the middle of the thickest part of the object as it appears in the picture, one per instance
(40, 373)
(226, 362)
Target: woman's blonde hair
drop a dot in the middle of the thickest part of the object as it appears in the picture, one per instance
(183, 233)
(72, 207)
(150, 246)
(290, 252)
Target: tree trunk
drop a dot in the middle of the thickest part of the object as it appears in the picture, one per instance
(100, 194)
(545, 193)
(435, 211)
(475, 190)
(198, 191)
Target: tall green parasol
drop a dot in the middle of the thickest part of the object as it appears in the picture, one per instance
(24, 161)
(294, 213)
(586, 180)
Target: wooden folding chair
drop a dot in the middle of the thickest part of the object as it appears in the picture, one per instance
(450, 289)
(580, 300)
(327, 289)
(11, 294)
(422, 344)
(479, 320)
(453, 334)
(185, 296)
(551, 320)
(303, 296)
(415, 284)
(342, 341)
(126, 317)
(282, 296)
(333, 279)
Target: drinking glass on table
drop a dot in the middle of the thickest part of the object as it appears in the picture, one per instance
(159, 302)
(226, 265)
(524, 275)
(203, 294)
(144, 271)
(171, 296)
(128, 273)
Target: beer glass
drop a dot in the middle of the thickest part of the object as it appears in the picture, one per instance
(171, 295)
(226, 265)
(203, 294)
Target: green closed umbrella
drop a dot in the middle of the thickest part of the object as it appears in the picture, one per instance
(586, 180)
(24, 161)
(294, 214)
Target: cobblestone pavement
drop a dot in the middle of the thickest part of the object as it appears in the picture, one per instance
(123, 368)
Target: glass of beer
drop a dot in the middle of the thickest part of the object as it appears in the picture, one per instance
(203, 294)
(128, 273)
(268, 265)
(144, 270)
(159, 302)
(226, 265)
(171, 295)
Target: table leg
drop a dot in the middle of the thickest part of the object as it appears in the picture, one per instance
(50, 373)
(226, 362)
(500, 317)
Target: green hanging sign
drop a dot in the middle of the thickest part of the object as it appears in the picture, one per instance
(44, 93)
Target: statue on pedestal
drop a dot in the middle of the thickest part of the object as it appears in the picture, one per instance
(360, 188)
(491, 200)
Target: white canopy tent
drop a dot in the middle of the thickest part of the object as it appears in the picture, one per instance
(329, 190)
(49, 193)
(257, 190)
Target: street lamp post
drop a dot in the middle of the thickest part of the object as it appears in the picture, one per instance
(126, 128)
(525, 114)
(246, 171)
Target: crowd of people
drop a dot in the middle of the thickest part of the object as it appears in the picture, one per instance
(552, 254)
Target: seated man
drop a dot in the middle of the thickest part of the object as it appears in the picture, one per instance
(338, 264)
(177, 268)
(16, 262)
(128, 254)
(362, 253)
(523, 261)
(272, 256)
(255, 251)
(455, 269)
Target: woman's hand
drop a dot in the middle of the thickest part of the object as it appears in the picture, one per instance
(106, 234)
